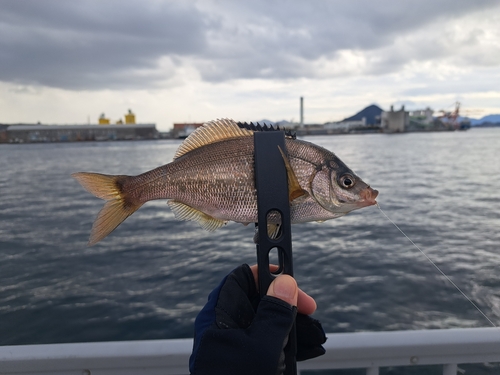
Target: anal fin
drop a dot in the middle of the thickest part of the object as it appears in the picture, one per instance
(273, 232)
(187, 213)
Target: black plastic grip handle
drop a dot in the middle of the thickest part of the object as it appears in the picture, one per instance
(272, 197)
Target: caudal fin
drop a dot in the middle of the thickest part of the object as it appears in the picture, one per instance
(117, 207)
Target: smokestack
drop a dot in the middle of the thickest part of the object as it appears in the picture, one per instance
(301, 111)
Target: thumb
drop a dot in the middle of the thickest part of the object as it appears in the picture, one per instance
(285, 288)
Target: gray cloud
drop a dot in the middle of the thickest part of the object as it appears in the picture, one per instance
(119, 44)
(93, 44)
(281, 39)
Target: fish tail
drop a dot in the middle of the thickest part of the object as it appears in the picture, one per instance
(118, 207)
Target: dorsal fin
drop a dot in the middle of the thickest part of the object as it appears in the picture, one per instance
(212, 132)
(217, 130)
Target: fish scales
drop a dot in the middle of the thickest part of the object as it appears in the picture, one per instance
(217, 179)
(220, 180)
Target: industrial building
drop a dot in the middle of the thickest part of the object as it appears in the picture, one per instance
(72, 133)
(395, 121)
(103, 131)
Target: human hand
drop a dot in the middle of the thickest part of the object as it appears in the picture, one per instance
(239, 333)
(287, 290)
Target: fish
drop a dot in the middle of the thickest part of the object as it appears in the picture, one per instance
(211, 181)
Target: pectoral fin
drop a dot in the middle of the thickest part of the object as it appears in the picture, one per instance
(294, 189)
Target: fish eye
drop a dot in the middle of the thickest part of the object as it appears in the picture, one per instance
(347, 181)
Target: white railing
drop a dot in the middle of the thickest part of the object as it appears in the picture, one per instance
(369, 350)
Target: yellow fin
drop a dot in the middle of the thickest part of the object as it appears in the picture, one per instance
(294, 189)
(187, 213)
(211, 132)
(273, 230)
(117, 207)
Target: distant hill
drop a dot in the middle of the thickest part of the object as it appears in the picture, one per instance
(493, 119)
(282, 123)
(371, 113)
(264, 121)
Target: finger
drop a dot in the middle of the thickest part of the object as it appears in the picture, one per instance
(305, 303)
(285, 288)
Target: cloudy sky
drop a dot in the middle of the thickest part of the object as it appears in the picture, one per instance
(193, 61)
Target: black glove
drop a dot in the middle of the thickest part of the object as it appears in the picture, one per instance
(239, 333)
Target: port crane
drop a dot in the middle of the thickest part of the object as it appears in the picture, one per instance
(452, 118)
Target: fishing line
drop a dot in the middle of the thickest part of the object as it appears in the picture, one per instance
(439, 269)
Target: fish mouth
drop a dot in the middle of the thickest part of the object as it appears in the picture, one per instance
(368, 196)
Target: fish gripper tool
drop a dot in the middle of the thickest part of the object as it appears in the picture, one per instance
(272, 199)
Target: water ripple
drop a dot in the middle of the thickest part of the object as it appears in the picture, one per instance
(150, 277)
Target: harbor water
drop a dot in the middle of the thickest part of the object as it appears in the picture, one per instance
(152, 275)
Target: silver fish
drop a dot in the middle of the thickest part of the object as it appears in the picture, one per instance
(211, 181)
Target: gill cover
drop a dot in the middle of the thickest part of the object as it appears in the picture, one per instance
(321, 186)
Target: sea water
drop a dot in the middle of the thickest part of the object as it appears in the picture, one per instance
(151, 276)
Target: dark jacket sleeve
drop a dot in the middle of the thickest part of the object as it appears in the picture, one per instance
(238, 333)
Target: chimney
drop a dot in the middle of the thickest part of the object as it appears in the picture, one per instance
(301, 111)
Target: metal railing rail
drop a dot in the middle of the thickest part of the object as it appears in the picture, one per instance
(369, 350)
